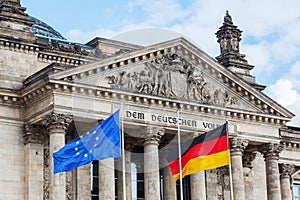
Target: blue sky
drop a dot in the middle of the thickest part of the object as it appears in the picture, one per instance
(270, 37)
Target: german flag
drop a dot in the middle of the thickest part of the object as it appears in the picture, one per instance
(207, 151)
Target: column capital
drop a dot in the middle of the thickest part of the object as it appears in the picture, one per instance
(153, 135)
(248, 157)
(286, 170)
(238, 145)
(271, 151)
(33, 134)
(57, 123)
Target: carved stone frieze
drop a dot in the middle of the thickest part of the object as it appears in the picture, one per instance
(76, 49)
(271, 150)
(46, 182)
(153, 135)
(286, 170)
(55, 121)
(174, 77)
(34, 134)
(248, 157)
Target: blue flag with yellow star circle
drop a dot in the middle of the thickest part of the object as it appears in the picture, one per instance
(103, 141)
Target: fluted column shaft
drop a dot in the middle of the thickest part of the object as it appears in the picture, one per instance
(169, 186)
(198, 188)
(248, 157)
(128, 183)
(286, 171)
(83, 183)
(57, 125)
(107, 179)
(237, 148)
(151, 163)
(271, 154)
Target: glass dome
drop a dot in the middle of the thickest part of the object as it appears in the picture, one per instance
(41, 29)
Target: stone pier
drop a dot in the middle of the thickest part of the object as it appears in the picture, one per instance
(57, 125)
(151, 163)
(271, 154)
(286, 171)
(237, 148)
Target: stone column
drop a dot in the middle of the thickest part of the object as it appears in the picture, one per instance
(57, 125)
(271, 154)
(248, 157)
(151, 163)
(286, 171)
(34, 161)
(169, 186)
(107, 179)
(83, 180)
(223, 181)
(198, 188)
(128, 183)
(237, 148)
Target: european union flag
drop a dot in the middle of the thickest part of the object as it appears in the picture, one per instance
(99, 143)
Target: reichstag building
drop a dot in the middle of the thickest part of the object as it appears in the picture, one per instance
(52, 90)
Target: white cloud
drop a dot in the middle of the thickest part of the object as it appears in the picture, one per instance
(284, 93)
(160, 13)
(295, 69)
(259, 53)
(76, 35)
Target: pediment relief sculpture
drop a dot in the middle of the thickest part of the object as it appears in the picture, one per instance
(172, 76)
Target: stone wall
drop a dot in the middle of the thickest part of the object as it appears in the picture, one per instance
(16, 66)
(12, 164)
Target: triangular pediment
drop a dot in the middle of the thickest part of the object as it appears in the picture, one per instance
(175, 70)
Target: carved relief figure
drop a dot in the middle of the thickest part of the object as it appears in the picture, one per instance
(172, 76)
(196, 86)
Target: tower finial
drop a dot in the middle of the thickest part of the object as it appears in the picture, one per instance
(229, 37)
(227, 18)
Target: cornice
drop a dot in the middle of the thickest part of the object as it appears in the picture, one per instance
(43, 53)
(18, 46)
(10, 97)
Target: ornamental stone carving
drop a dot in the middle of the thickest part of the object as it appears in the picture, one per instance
(153, 135)
(69, 186)
(57, 122)
(238, 145)
(248, 157)
(46, 182)
(174, 77)
(271, 150)
(223, 177)
(286, 170)
(75, 48)
(34, 134)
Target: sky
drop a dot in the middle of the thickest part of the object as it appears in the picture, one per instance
(270, 38)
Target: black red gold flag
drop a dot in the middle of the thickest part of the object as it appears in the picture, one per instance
(207, 151)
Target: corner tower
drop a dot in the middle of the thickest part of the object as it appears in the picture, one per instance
(14, 21)
(229, 37)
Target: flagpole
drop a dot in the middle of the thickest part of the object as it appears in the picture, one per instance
(230, 171)
(123, 153)
(179, 155)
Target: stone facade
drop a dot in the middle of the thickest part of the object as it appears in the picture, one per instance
(51, 92)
